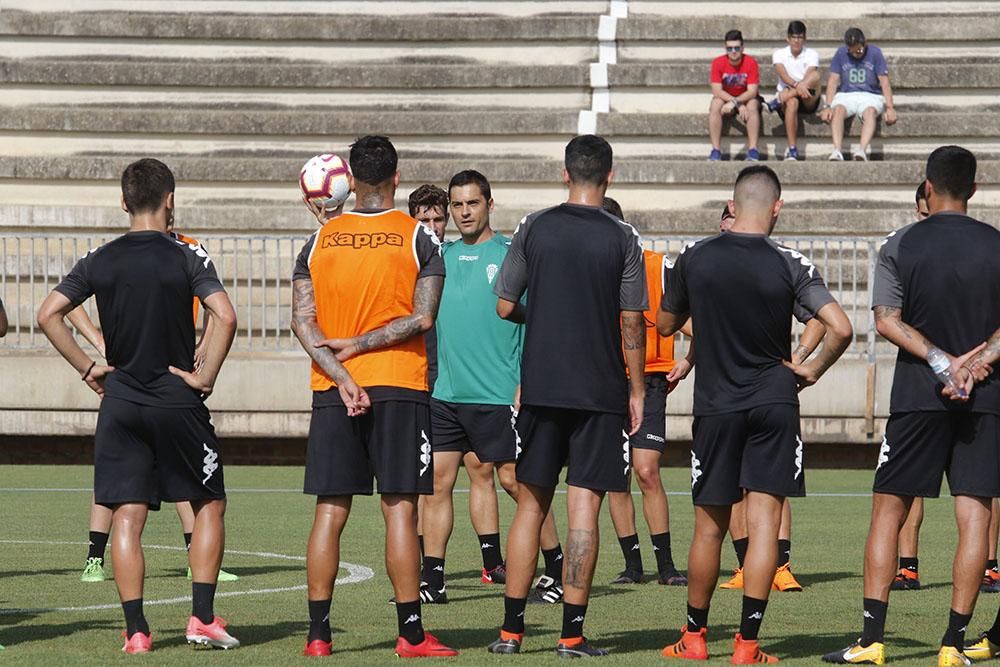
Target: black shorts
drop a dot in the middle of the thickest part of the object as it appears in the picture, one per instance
(145, 454)
(487, 430)
(755, 450)
(652, 433)
(593, 445)
(391, 443)
(810, 106)
(919, 447)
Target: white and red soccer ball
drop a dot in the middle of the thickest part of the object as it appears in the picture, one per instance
(324, 181)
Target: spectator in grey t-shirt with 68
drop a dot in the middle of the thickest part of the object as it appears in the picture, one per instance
(858, 86)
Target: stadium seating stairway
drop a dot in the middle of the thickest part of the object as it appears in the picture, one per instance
(236, 96)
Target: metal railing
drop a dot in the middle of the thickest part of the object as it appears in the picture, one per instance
(257, 273)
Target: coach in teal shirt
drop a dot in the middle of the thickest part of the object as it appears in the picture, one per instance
(479, 368)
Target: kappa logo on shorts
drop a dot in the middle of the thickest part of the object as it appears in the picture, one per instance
(210, 463)
(517, 436)
(696, 472)
(425, 453)
(883, 453)
(798, 457)
(654, 437)
(625, 451)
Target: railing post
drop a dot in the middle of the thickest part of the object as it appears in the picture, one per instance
(871, 375)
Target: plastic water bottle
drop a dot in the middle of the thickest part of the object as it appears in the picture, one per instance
(942, 369)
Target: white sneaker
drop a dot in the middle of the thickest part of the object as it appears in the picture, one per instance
(836, 156)
(859, 155)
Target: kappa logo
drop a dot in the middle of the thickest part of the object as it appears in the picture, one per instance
(883, 453)
(439, 568)
(869, 615)
(425, 453)
(210, 465)
(756, 616)
(803, 260)
(654, 437)
(625, 451)
(696, 472)
(361, 240)
(485, 545)
(468, 258)
(197, 249)
(412, 619)
(798, 457)
(886, 239)
(635, 547)
(491, 272)
(517, 436)
(578, 619)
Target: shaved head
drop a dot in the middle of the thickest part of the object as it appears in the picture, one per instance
(757, 189)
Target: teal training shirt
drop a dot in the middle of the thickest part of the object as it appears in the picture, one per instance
(479, 354)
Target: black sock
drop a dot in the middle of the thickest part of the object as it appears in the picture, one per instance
(319, 620)
(433, 572)
(661, 549)
(98, 543)
(875, 611)
(990, 564)
(740, 546)
(553, 562)
(187, 541)
(907, 563)
(202, 599)
(490, 546)
(573, 615)
(697, 619)
(753, 614)
(134, 620)
(420, 541)
(955, 634)
(513, 615)
(630, 550)
(784, 552)
(411, 628)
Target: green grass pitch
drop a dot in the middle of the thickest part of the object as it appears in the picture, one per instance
(269, 517)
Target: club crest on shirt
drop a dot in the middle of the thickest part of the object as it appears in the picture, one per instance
(491, 272)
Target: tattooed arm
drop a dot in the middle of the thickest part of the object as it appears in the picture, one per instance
(809, 340)
(889, 322)
(426, 298)
(634, 339)
(307, 330)
(981, 365)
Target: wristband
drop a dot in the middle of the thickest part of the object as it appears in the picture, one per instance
(87, 372)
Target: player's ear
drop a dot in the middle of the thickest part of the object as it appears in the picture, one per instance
(350, 182)
(611, 177)
(565, 177)
(169, 201)
(489, 205)
(732, 207)
(777, 208)
(395, 179)
(972, 191)
(124, 207)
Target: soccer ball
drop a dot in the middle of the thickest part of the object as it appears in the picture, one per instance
(324, 181)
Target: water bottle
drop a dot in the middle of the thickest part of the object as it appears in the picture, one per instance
(938, 362)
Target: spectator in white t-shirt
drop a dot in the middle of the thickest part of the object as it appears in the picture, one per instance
(798, 83)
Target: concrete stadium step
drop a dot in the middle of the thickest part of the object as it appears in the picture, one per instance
(476, 25)
(322, 8)
(809, 9)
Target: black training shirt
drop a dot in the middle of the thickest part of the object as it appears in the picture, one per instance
(145, 284)
(944, 273)
(582, 266)
(741, 292)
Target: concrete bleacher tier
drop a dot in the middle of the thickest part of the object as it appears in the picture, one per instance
(236, 96)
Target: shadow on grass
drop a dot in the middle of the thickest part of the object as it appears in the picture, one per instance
(30, 573)
(643, 640)
(823, 577)
(174, 572)
(40, 632)
(255, 635)
(815, 645)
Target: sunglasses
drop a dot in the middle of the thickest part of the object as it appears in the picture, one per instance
(734, 49)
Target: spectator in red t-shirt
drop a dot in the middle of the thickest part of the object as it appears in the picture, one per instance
(735, 80)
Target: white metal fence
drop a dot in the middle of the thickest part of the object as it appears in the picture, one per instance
(257, 273)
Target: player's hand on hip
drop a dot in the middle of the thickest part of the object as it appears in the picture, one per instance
(355, 398)
(96, 376)
(343, 348)
(200, 353)
(805, 374)
(193, 380)
(635, 407)
(680, 371)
